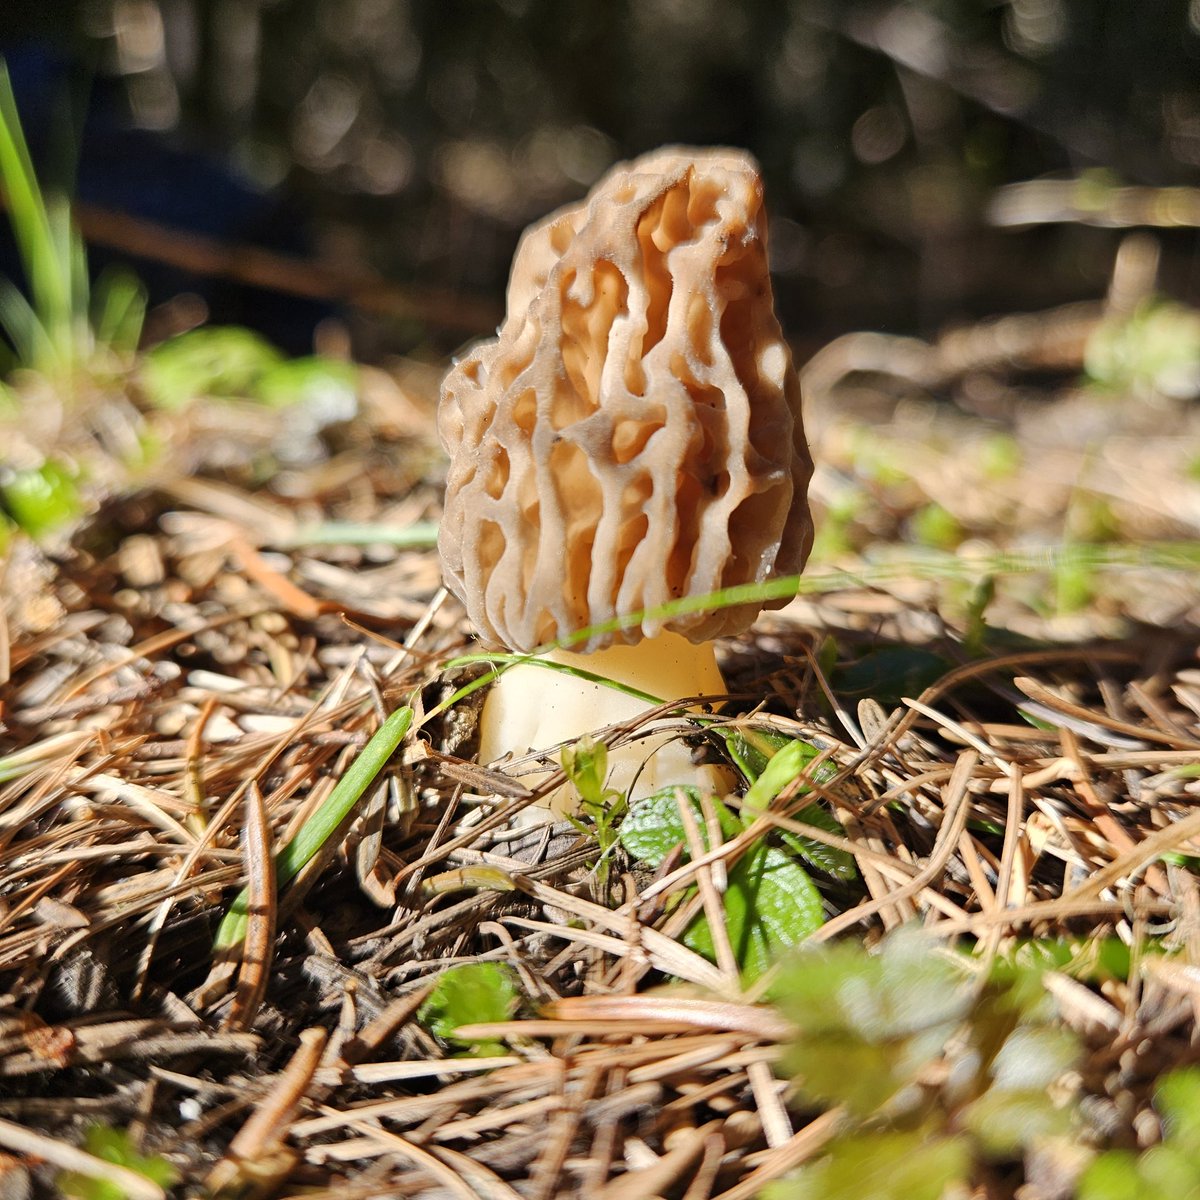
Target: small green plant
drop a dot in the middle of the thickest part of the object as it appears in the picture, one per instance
(772, 761)
(1172, 1168)
(586, 765)
(770, 901)
(227, 362)
(937, 1075)
(117, 1147)
(471, 994)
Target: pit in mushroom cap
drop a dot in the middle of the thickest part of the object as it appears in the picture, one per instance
(633, 434)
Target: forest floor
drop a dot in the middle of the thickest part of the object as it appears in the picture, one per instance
(996, 667)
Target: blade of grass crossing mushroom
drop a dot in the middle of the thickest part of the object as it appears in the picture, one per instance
(1175, 556)
(313, 833)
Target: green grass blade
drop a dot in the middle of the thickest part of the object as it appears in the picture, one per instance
(78, 341)
(516, 660)
(313, 834)
(21, 326)
(932, 565)
(120, 310)
(48, 274)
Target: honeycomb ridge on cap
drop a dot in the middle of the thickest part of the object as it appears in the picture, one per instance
(633, 434)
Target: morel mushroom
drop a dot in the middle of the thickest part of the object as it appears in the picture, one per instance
(632, 436)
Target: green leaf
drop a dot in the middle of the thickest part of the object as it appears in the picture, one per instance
(120, 310)
(752, 748)
(214, 361)
(785, 766)
(887, 1014)
(1033, 1057)
(313, 834)
(467, 995)
(48, 272)
(1157, 348)
(586, 765)
(933, 525)
(770, 906)
(1112, 1176)
(904, 988)
(833, 861)
(41, 499)
(29, 340)
(653, 827)
(1177, 1098)
(882, 1166)
(889, 673)
(1170, 1170)
(327, 384)
(862, 1076)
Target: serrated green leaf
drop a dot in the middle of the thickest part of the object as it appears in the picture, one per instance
(770, 906)
(468, 995)
(903, 989)
(839, 1068)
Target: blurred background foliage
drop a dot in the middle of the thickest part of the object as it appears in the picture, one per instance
(384, 155)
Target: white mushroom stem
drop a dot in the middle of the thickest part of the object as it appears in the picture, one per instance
(532, 708)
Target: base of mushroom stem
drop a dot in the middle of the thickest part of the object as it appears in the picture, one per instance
(532, 708)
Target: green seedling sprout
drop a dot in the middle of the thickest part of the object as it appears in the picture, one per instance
(470, 994)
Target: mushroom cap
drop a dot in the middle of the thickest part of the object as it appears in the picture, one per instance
(633, 433)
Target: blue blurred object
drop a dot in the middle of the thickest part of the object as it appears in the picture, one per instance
(110, 166)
